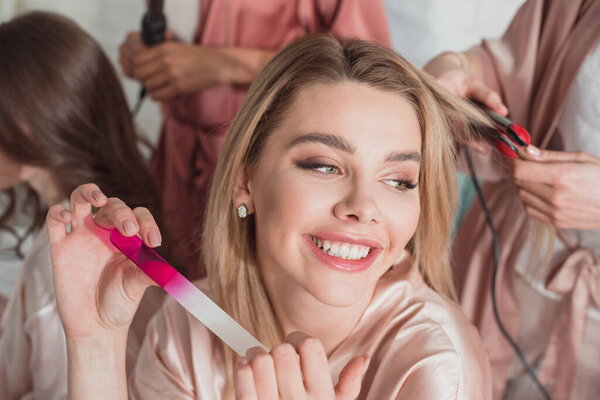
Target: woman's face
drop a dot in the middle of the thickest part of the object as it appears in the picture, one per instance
(335, 193)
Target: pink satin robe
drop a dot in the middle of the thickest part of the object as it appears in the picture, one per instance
(421, 347)
(533, 66)
(195, 125)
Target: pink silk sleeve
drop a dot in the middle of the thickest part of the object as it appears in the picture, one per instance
(178, 359)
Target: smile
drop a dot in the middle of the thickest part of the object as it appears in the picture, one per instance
(344, 253)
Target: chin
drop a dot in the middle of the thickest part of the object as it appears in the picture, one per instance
(339, 294)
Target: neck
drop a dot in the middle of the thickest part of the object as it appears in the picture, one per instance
(298, 310)
(43, 184)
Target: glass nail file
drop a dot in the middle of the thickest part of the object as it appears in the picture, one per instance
(185, 293)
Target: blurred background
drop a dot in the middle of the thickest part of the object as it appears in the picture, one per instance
(419, 30)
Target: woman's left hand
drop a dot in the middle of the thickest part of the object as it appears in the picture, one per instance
(298, 369)
(561, 188)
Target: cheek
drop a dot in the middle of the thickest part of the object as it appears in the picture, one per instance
(285, 204)
(402, 216)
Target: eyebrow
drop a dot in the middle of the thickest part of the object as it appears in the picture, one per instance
(326, 139)
(400, 156)
(340, 143)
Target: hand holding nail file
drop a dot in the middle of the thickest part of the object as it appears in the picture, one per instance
(186, 294)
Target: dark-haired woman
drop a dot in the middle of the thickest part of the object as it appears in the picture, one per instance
(64, 121)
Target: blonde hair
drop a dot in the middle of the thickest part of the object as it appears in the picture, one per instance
(229, 242)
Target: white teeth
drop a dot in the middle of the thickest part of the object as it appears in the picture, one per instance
(364, 252)
(345, 251)
(334, 250)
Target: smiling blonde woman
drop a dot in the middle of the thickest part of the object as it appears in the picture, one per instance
(326, 237)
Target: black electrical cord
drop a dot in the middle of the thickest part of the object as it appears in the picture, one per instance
(488, 217)
(139, 102)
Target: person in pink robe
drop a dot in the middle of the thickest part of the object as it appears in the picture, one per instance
(202, 86)
(544, 71)
(64, 120)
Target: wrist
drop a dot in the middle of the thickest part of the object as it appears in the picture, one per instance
(96, 367)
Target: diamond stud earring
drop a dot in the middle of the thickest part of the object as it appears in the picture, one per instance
(242, 211)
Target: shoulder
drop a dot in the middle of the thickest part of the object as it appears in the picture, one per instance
(179, 356)
(430, 345)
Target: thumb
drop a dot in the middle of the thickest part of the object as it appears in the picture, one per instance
(350, 382)
(556, 156)
(135, 282)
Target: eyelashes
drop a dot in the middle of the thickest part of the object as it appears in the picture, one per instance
(328, 169)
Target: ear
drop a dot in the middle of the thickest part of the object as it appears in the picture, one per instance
(242, 191)
(26, 172)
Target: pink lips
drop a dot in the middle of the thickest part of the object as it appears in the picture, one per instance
(340, 264)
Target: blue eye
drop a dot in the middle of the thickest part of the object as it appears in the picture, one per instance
(400, 184)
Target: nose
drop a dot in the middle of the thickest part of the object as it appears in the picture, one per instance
(358, 205)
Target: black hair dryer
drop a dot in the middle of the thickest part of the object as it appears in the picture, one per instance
(154, 25)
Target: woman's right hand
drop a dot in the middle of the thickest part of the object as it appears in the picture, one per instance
(97, 288)
(455, 72)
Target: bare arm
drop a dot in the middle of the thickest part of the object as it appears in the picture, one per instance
(173, 68)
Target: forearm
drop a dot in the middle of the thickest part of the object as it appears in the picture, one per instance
(240, 65)
(96, 368)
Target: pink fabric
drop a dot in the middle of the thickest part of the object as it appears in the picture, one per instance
(533, 66)
(195, 125)
(578, 279)
(421, 347)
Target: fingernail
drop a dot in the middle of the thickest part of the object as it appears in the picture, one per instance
(98, 195)
(64, 214)
(153, 239)
(534, 151)
(242, 361)
(129, 226)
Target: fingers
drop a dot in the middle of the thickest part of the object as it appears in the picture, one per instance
(244, 381)
(56, 219)
(128, 50)
(263, 371)
(560, 156)
(289, 374)
(350, 381)
(116, 214)
(550, 173)
(148, 231)
(129, 222)
(481, 92)
(313, 363)
(82, 200)
(157, 82)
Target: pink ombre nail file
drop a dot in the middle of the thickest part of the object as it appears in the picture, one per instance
(186, 294)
